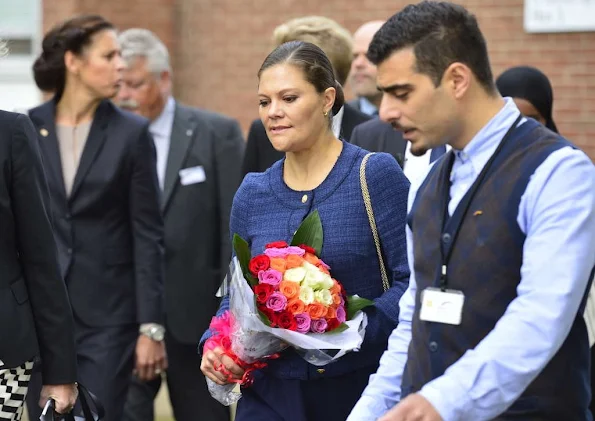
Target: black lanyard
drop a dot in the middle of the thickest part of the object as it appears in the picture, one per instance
(446, 249)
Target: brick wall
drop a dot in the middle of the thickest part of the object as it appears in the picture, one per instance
(218, 46)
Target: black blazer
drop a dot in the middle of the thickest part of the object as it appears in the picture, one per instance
(196, 213)
(378, 136)
(109, 231)
(35, 315)
(355, 104)
(260, 154)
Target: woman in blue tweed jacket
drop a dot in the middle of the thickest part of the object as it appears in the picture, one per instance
(298, 97)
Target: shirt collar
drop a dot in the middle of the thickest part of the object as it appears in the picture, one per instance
(337, 121)
(162, 125)
(367, 107)
(486, 141)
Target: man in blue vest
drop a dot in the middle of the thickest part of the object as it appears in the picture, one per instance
(501, 240)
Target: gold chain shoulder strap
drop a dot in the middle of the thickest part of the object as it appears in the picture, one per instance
(370, 212)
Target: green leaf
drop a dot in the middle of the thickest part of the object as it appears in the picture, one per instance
(355, 304)
(242, 250)
(341, 328)
(309, 233)
(264, 318)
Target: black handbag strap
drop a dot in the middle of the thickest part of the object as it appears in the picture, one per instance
(84, 398)
(87, 412)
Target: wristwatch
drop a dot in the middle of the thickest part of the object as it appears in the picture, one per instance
(153, 331)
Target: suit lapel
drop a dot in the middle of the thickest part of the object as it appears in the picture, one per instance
(44, 118)
(184, 130)
(93, 145)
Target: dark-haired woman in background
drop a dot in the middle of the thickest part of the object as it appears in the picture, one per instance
(100, 167)
(531, 91)
(298, 95)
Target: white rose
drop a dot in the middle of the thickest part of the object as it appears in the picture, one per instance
(307, 295)
(327, 282)
(324, 297)
(295, 275)
(314, 277)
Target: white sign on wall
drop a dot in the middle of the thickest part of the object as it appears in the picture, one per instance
(559, 15)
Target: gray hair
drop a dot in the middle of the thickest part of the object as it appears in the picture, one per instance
(138, 42)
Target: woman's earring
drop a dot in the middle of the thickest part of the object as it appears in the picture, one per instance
(326, 113)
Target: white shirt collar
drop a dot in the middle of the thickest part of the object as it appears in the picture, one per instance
(337, 121)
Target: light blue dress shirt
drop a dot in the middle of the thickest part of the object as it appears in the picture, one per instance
(160, 129)
(367, 107)
(557, 216)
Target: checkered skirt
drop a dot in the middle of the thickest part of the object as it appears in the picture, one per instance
(13, 389)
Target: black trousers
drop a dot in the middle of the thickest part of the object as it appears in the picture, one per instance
(105, 359)
(190, 398)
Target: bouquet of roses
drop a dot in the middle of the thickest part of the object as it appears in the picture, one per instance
(284, 297)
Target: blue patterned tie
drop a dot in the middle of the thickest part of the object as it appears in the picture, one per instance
(437, 153)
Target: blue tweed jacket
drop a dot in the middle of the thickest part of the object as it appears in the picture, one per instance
(266, 210)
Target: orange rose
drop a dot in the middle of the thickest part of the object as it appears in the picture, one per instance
(335, 289)
(296, 306)
(316, 310)
(330, 313)
(323, 269)
(310, 258)
(289, 289)
(278, 263)
(336, 299)
(294, 261)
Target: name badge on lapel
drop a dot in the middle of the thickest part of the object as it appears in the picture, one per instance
(442, 306)
(192, 175)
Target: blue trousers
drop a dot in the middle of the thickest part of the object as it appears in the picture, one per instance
(326, 399)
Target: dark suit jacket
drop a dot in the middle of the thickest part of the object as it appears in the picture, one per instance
(197, 240)
(109, 231)
(260, 154)
(378, 136)
(35, 315)
(355, 104)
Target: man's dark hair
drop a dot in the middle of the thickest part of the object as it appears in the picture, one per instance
(440, 33)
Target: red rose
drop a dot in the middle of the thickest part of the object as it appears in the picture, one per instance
(285, 320)
(276, 245)
(269, 313)
(332, 324)
(308, 249)
(258, 263)
(226, 343)
(263, 292)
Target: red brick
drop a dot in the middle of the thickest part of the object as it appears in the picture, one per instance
(217, 47)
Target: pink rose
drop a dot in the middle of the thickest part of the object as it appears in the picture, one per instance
(319, 326)
(303, 321)
(341, 315)
(277, 302)
(324, 265)
(271, 276)
(284, 252)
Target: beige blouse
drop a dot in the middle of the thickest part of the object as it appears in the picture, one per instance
(71, 141)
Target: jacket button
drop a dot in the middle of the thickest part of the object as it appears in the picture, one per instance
(69, 251)
(433, 346)
(320, 371)
(446, 238)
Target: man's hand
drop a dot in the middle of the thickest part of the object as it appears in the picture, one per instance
(64, 395)
(413, 408)
(212, 360)
(151, 360)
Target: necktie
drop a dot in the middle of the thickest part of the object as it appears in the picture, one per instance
(437, 153)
